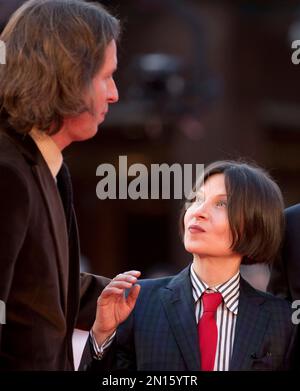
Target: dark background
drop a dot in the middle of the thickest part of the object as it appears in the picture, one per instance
(223, 87)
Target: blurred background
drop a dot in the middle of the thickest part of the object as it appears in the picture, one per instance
(199, 81)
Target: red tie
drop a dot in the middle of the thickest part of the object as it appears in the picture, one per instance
(207, 330)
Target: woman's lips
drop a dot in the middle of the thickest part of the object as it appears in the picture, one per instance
(194, 228)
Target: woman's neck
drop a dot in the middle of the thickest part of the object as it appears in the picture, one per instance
(215, 270)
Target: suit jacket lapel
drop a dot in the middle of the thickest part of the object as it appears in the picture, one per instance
(180, 310)
(251, 326)
(53, 203)
(58, 224)
(64, 185)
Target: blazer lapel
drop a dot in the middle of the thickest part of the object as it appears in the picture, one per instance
(180, 310)
(58, 224)
(53, 204)
(251, 326)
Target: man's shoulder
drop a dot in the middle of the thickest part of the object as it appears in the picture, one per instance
(15, 172)
(292, 218)
(11, 155)
(8, 149)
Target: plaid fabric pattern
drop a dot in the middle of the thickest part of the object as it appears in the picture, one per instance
(161, 333)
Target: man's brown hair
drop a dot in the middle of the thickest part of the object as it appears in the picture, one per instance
(54, 48)
(255, 210)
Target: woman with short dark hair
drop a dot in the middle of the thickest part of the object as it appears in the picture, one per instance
(254, 199)
(208, 317)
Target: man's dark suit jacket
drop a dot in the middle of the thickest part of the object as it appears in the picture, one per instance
(39, 262)
(161, 333)
(285, 274)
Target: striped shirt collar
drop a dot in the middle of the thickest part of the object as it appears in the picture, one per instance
(230, 290)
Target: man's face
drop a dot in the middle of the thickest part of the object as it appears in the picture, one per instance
(104, 90)
(102, 93)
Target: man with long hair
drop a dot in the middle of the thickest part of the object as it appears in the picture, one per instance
(55, 88)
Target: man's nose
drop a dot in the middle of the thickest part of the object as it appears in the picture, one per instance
(113, 94)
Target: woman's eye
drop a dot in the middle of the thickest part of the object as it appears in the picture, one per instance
(222, 203)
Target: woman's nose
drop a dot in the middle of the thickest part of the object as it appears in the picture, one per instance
(201, 210)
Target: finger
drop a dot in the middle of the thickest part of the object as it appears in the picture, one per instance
(128, 276)
(135, 273)
(120, 284)
(133, 295)
(124, 277)
(109, 292)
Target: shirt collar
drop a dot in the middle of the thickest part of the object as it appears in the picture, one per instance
(49, 150)
(230, 290)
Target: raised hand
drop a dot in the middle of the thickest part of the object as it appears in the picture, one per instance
(113, 307)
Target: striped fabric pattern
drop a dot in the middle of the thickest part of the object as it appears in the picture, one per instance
(99, 350)
(225, 317)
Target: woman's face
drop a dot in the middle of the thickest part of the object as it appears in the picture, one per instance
(206, 226)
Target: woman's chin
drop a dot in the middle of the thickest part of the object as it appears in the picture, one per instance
(190, 248)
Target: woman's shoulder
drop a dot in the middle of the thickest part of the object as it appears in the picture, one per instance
(157, 282)
(274, 303)
(169, 281)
